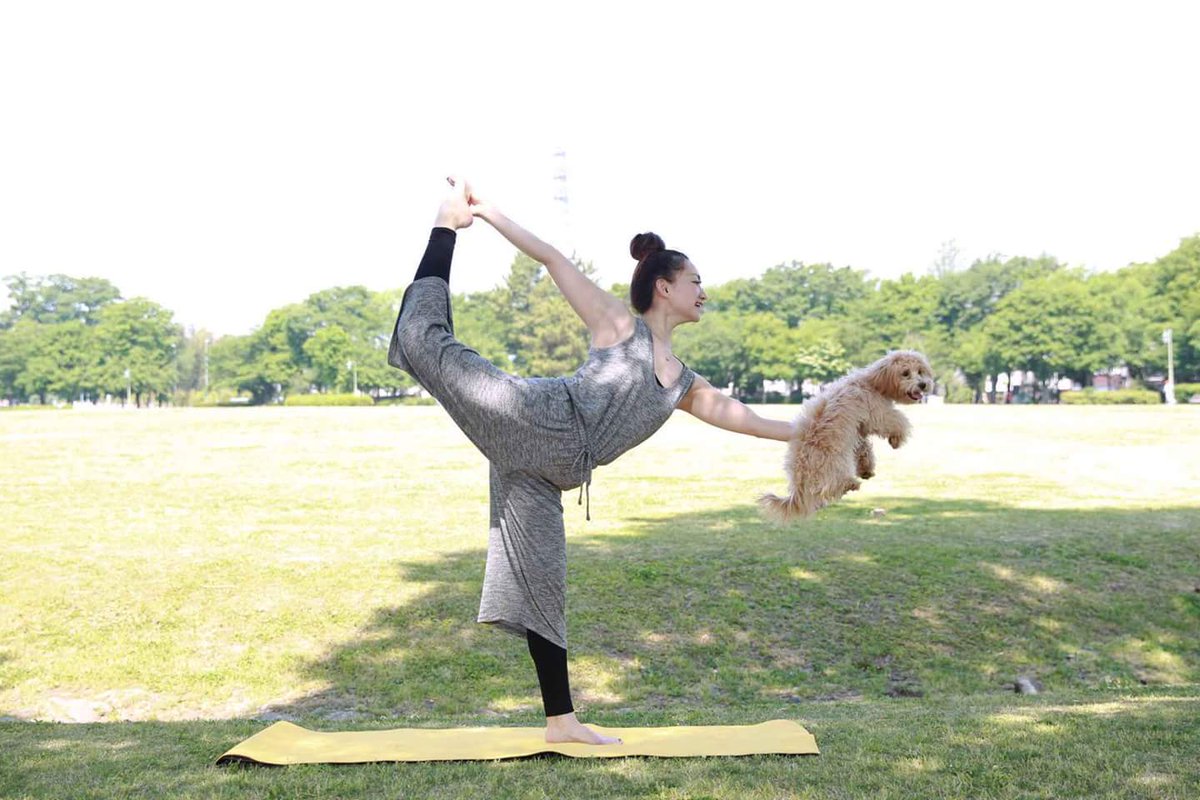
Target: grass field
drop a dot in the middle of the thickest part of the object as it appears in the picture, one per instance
(174, 579)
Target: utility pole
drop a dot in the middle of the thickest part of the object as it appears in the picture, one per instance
(1169, 388)
(563, 200)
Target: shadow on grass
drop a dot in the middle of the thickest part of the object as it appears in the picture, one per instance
(719, 610)
(718, 618)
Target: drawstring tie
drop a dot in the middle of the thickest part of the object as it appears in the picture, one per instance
(585, 463)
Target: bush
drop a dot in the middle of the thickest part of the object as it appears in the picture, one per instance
(959, 393)
(210, 399)
(406, 400)
(1185, 391)
(329, 400)
(1090, 396)
(38, 407)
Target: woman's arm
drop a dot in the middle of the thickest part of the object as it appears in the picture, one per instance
(705, 402)
(605, 316)
(601, 312)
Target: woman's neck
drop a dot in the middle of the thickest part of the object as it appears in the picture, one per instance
(660, 325)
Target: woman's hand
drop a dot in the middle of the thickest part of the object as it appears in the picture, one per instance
(455, 210)
(477, 205)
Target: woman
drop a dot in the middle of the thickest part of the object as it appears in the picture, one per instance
(543, 436)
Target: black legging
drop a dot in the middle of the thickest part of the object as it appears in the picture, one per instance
(551, 663)
(549, 659)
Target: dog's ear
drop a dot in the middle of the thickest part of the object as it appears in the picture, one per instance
(884, 376)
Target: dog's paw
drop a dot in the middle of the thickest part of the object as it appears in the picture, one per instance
(895, 440)
(866, 474)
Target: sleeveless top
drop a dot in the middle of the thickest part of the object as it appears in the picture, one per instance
(618, 400)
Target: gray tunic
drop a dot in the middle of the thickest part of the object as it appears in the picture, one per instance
(541, 436)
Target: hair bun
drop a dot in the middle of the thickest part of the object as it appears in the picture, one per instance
(645, 244)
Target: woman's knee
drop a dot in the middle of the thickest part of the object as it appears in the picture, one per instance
(418, 344)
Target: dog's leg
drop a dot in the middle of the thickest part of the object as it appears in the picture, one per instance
(897, 430)
(864, 456)
(886, 421)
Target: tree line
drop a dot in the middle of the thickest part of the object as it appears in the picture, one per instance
(67, 338)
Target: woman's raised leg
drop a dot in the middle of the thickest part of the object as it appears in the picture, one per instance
(484, 401)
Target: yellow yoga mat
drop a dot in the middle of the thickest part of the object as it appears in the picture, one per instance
(285, 743)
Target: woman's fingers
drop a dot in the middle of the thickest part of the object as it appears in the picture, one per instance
(465, 188)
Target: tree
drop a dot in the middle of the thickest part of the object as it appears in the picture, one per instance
(276, 357)
(328, 350)
(191, 360)
(140, 336)
(796, 292)
(552, 338)
(972, 352)
(946, 262)
(1053, 325)
(68, 351)
(481, 323)
(56, 298)
(17, 346)
(1134, 319)
(715, 348)
(540, 331)
(770, 350)
(229, 363)
(819, 353)
(901, 314)
(1176, 280)
(969, 297)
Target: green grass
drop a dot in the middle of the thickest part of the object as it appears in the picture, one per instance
(175, 576)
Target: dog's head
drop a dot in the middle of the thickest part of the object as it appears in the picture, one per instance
(903, 376)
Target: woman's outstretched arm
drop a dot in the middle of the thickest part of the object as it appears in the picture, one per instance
(707, 403)
(604, 314)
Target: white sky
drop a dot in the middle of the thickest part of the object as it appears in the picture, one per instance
(226, 158)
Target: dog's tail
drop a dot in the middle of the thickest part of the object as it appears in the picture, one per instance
(785, 509)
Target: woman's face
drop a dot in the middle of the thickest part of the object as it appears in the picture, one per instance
(685, 296)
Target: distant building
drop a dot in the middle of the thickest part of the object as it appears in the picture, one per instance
(1116, 378)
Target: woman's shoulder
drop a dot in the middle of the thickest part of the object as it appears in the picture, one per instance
(616, 328)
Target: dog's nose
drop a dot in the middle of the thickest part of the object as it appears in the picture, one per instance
(922, 385)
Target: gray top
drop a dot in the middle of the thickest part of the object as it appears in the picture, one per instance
(618, 399)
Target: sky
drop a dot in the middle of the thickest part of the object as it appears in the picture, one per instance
(228, 158)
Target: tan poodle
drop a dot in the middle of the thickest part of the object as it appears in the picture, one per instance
(830, 452)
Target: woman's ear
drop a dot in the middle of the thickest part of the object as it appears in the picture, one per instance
(663, 285)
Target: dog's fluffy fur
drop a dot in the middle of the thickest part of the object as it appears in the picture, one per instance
(829, 451)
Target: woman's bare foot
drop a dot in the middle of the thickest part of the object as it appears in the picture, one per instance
(455, 212)
(565, 728)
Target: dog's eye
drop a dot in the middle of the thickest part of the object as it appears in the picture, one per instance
(906, 373)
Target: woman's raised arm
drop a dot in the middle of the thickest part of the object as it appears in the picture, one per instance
(606, 317)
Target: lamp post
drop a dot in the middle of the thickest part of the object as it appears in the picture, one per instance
(354, 372)
(1169, 388)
